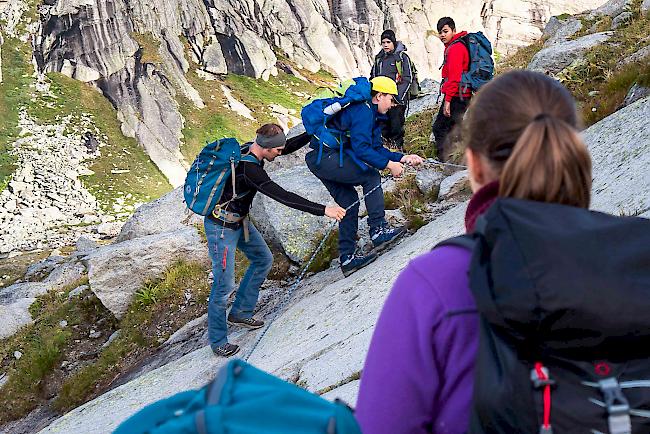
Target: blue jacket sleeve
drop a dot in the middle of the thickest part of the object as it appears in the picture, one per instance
(364, 140)
(378, 144)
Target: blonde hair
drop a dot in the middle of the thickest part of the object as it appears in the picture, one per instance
(526, 123)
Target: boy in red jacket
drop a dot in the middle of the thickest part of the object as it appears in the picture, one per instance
(455, 103)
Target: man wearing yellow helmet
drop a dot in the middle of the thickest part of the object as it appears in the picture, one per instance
(357, 163)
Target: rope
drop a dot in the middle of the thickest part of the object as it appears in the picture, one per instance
(301, 276)
(295, 284)
(440, 163)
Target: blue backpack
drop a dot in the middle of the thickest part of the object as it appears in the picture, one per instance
(211, 169)
(243, 400)
(481, 65)
(317, 114)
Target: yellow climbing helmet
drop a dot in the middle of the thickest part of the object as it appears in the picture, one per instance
(384, 85)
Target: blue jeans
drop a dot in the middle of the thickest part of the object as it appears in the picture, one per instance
(340, 182)
(222, 244)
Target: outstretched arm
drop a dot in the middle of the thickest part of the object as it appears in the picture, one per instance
(257, 176)
(296, 142)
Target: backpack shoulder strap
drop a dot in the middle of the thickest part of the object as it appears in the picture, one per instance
(250, 158)
(462, 40)
(467, 241)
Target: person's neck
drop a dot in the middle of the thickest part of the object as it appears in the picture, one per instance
(479, 203)
(257, 151)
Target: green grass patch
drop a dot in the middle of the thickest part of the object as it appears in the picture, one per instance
(258, 95)
(15, 92)
(520, 58)
(410, 201)
(216, 120)
(149, 46)
(596, 24)
(417, 130)
(327, 253)
(43, 345)
(318, 78)
(14, 268)
(148, 322)
(212, 122)
(143, 180)
(597, 82)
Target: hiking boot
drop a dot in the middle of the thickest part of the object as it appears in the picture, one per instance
(352, 263)
(250, 323)
(383, 236)
(226, 350)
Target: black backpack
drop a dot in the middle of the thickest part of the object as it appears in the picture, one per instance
(415, 89)
(564, 300)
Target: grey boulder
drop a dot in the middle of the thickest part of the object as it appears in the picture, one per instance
(612, 8)
(556, 57)
(620, 153)
(85, 245)
(622, 19)
(166, 214)
(14, 305)
(16, 299)
(428, 99)
(294, 232)
(560, 30)
(450, 184)
(117, 271)
(66, 274)
(14, 316)
(638, 56)
(428, 182)
(636, 93)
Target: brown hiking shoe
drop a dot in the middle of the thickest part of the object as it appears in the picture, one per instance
(250, 323)
(226, 350)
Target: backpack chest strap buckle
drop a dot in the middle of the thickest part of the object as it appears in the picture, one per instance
(540, 381)
(617, 406)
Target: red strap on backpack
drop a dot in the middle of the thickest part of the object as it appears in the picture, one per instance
(540, 378)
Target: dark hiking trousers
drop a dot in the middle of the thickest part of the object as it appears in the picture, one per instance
(340, 182)
(442, 125)
(393, 129)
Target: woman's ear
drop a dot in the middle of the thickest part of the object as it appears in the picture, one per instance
(478, 170)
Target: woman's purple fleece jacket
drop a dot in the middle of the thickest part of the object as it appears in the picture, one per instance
(418, 375)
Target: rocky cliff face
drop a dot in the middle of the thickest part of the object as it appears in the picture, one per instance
(109, 43)
(516, 24)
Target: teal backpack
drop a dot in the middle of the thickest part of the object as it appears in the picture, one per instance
(243, 400)
(481, 65)
(210, 172)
